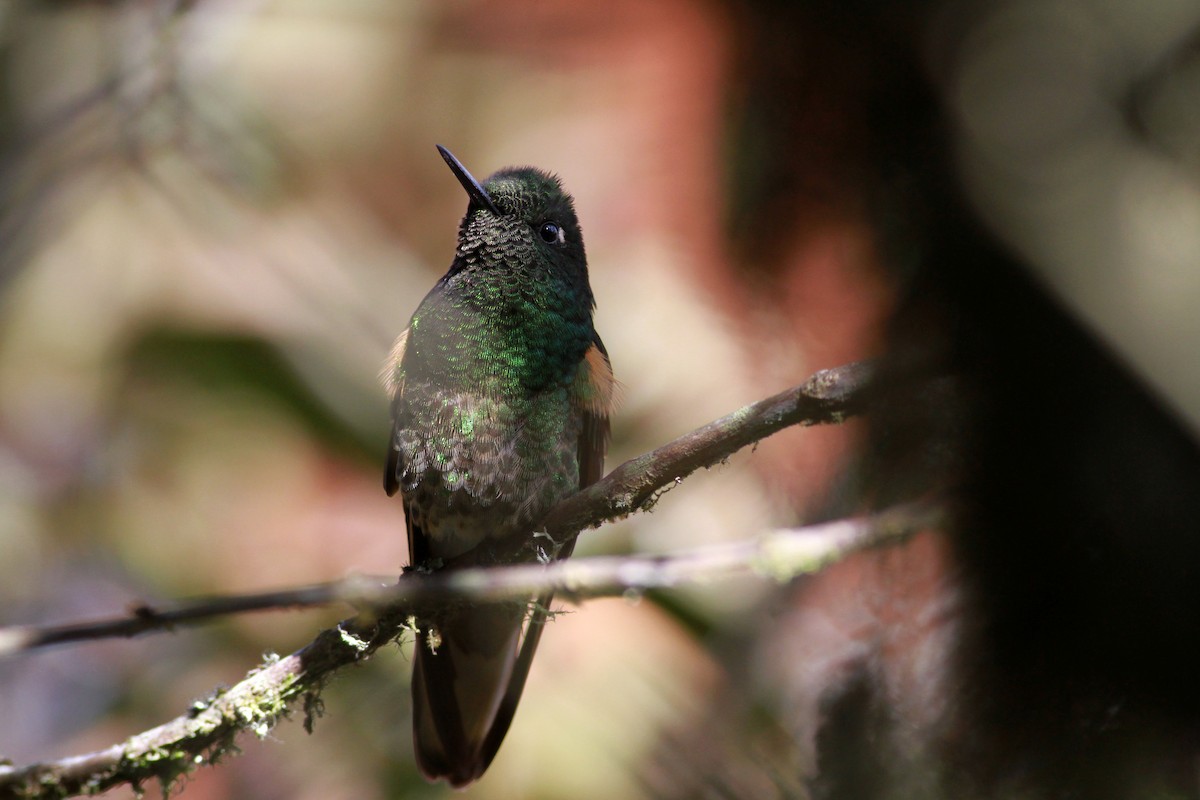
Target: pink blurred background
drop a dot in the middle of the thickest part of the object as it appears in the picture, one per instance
(218, 214)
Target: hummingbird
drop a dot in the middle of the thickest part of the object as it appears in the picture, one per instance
(501, 392)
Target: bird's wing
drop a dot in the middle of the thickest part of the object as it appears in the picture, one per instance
(597, 397)
(393, 381)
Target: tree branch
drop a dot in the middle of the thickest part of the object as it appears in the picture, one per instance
(828, 396)
(208, 728)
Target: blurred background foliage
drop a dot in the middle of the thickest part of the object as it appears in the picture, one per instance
(217, 214)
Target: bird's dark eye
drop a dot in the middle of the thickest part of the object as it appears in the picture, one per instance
(551, 233)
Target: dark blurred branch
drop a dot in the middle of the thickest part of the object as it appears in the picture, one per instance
(207, 730)
(358, 590)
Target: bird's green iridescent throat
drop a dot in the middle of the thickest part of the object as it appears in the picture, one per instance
(506, 341)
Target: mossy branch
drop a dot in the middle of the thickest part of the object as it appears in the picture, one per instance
(207, 729)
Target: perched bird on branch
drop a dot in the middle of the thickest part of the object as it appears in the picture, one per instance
(501, 393)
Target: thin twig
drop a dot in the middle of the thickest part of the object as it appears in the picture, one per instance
(144, 618)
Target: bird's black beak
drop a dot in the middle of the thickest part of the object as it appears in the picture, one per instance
(474, 189)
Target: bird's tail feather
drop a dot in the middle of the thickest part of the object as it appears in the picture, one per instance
(468, 676)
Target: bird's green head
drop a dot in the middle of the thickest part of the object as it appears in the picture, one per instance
(520, 221)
